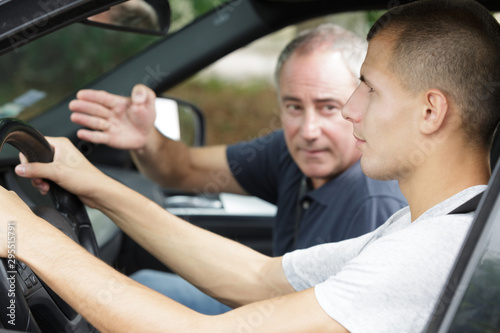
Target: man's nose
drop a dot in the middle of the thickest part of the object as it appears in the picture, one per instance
(311, 127)
(349, 110)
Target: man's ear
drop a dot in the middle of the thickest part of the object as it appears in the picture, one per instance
(434, 111)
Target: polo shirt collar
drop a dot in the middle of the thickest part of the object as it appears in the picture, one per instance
(325, 193)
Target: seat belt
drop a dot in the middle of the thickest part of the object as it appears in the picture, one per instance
(468, 206)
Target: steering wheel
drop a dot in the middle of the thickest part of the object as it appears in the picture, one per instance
(36, 307)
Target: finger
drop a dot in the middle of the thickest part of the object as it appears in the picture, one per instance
(25, 170)
(92, 122)
(143, 101)
(139, 94)
(101, 97)
(93, 136)
(40, 170)
(91, 108)
(22, 158)
(146, 94)
(36, 171)
(42, 186)
(37, 181)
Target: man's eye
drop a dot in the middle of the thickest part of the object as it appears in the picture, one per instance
(330, 108)
(327, 109)
(293, 107)
(370, 89)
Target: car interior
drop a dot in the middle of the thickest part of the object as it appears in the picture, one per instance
(168, 60)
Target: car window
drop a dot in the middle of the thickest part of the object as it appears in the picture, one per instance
(40, 74)
(479, 308)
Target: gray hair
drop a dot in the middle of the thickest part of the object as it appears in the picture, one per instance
(351, 47)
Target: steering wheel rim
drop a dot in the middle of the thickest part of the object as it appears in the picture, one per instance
(69, 216)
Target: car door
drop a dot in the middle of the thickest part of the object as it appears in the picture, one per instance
(470, 301)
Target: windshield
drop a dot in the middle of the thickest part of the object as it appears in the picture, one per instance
(185, 11)
(40, 74)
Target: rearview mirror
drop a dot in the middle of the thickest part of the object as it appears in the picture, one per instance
(180, 121)
(143, 16)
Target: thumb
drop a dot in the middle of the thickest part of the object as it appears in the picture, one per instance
(142, 110)
(35, 173)
(139, 94)
(36, 170)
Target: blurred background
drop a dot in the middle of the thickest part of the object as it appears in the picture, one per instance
(237, 93)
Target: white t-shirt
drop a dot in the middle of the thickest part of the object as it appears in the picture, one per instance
(390, 279)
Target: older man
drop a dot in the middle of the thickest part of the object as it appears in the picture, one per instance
(316, 74)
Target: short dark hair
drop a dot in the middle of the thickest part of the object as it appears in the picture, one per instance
(453, 46)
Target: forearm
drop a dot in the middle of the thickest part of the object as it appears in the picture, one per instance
(112, 302)
(109, 300)
(192, 169)
(160, 160)
(227, 270)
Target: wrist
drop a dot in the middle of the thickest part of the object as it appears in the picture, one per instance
(105, 192)
(151, 142)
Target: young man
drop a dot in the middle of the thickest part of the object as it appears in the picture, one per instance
(315, 75)
(412, 103)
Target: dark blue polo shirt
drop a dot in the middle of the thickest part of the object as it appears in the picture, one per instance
(347, 206)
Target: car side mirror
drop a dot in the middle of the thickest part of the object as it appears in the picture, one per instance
(180, 121)
(150, 17)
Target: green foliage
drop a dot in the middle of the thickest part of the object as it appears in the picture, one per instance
(64, 61)
(184, 11)
(480, 308)
(202, 6)
(373, 15)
